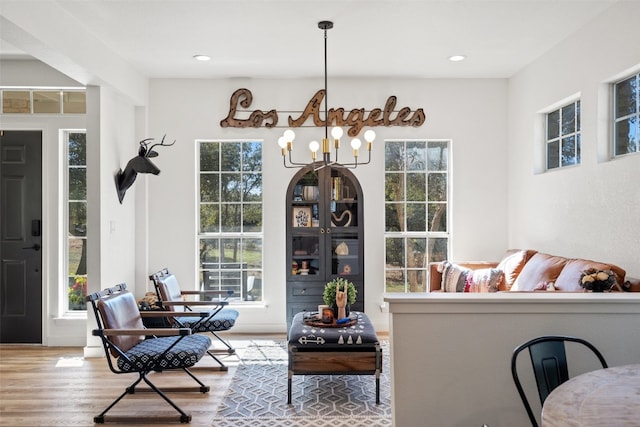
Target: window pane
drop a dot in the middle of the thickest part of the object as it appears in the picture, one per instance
(553, 124)
(437, 217)
(77, 184)
(231, 187)
(416, 217)
(438, 249)
(252, 187)
(416, 186)
(252, 156)
(16, 101)
(230, 156)
(394, 188)
(78, 218)
(568, 119)
(74, 102)
(46, 102)
(252, 253)
(252, 218)
(77, 149)
(437, 186)
(553, 156)
(209, 252)
(394, 217)
(210, 156)
(626, 133)
(77, 292)
(230, 250)
(394, 251)
(209, 219)
(230, 217)
(394, 281)
(77, 256)
(438, 156)
(209, 188)
(394, 156)
(416, 156)
(568, 151)
(415, 253)
(626, 94)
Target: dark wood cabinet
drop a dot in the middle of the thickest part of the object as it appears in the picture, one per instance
(325, 236)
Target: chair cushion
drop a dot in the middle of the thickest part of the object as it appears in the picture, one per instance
(149, 354)
(569, 278)
(540, 269)
(120, 311)
(222, 321)
(169, 290)
(512, 264)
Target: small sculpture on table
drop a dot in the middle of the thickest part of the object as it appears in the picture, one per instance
(341, 301)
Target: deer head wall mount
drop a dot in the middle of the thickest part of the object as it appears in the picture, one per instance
(139, 164)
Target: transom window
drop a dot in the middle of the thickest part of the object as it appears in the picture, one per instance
(416, 201)
(563, 136)
(230, 218)
(626, 123)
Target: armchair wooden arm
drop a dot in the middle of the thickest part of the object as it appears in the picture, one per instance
(164, 332)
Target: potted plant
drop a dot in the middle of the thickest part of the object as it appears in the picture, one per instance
(329, 294)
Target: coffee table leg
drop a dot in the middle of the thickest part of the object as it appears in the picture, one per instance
(289, 388)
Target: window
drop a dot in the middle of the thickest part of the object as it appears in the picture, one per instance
(29, 101)
(76, 195)
(416, 200)
(626, 123)
(563, 136)
(230, 223)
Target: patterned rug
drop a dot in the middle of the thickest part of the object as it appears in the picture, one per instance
(257, 395)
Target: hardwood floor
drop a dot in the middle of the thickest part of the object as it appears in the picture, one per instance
(56, 386)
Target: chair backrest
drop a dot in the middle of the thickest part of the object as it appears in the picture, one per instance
(116, 308)
(549, 363)
(168, 289)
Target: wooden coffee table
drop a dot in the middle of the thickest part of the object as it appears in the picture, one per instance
(316, 349)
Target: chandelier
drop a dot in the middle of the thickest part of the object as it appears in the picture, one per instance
(286, 140)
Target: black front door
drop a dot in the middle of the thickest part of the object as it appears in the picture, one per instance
(20, 236)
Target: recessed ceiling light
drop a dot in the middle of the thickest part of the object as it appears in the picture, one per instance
(457, 58)
(201, 57)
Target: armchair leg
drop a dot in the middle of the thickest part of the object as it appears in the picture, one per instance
(230, 349)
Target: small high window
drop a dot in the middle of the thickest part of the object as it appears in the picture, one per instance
(563, 136)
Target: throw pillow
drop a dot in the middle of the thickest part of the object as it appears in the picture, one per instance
(485, 280)
(454, 277)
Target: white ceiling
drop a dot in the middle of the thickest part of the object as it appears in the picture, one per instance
(371, 38)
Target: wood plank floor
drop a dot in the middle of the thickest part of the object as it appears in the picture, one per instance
(56, 386)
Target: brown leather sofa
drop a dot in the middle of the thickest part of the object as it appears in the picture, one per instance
(528, 270)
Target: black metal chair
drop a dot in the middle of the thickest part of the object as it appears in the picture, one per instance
(131, 348)
(549, 362)
(218, 318)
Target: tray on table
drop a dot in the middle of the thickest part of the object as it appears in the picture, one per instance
(311, 319)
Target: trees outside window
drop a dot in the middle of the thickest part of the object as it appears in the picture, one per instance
(416, 201)
(230, 230)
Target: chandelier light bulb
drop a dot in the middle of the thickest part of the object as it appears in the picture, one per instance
(282, 142)
(314, 146)
(356, 143)
(337, 132)
(289, 135)
(369, 135)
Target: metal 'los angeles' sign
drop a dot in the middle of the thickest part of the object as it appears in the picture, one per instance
(355, 119)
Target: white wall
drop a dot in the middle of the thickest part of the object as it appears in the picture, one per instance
(470, 112)
(592, 210)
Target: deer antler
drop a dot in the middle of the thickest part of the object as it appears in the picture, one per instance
(159, 143)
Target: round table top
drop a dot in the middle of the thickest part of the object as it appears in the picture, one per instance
(605, 397)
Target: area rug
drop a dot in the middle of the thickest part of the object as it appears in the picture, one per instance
(257, 395)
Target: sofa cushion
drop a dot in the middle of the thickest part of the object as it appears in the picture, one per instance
(512, 264)
(569, 278)
(456, 278)
(541, 268)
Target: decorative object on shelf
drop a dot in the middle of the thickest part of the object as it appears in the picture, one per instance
(339, 293)
(286, 141)
(597, 280)
(139, 164)
(342, 220)
(342, 249)
(302, 216)
(310, 192)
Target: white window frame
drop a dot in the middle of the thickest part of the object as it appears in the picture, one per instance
(428, 236)
(576, 134)
(635, 115)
